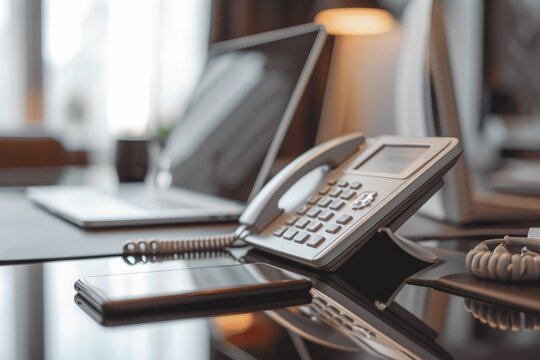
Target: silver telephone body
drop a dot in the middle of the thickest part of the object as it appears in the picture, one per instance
(368, 184)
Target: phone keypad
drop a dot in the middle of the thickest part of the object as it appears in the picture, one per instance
(326, 214)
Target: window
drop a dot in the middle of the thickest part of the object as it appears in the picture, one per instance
(11, 74)
(119, 67)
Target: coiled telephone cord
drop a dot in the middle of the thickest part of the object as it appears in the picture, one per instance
(502, 263)
(154, 250)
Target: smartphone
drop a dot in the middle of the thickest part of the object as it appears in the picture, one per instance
(196, 292)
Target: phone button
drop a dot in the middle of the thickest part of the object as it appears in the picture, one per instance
(363, 332)
(335, 192)
(302, 210)
(301, 237)
(324, 190)
(314, 226)
(324, 202)
(292, 220)
(365, 198)
(302, 223)
(313, 212)
(326, 215)
(346, 319)
(333, 228)
(336, 204)
(315, 241)
(343, 183)
(355, 185)
(279, 231)
(289, 234)
(348, 194)
(312, 200)
(317, 300)
(333, 310)
(343, 219)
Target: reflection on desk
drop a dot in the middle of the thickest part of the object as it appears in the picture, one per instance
(41, 320)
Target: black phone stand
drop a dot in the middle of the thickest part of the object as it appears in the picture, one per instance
(379, 268)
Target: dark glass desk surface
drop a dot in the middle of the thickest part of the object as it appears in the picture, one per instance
(41, 320)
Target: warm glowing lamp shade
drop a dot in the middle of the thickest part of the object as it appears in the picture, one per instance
(355, 21)
(360, 79)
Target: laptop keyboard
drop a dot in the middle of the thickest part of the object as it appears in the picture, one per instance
(148, 201)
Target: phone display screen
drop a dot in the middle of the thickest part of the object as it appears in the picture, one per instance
(392, 159)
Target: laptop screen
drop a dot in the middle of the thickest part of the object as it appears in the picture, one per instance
(239, 113)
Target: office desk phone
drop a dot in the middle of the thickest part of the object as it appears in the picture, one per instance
(367, 184)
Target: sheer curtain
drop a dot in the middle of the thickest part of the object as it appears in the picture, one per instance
(119, 67)
(11, 71)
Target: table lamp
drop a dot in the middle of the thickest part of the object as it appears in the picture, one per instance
(359, 88)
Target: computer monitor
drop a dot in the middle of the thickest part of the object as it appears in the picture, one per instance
(425, 101)
(426, 106)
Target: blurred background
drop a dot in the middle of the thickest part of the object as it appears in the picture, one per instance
(87, 72)
(78, 75)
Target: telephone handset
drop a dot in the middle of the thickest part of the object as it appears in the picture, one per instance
(368, 184)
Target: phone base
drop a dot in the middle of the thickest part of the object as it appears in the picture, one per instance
(382, 264)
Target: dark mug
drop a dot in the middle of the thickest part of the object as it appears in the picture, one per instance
(132, 159)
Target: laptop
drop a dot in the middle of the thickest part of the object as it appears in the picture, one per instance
(426, 106)
(220, 153)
